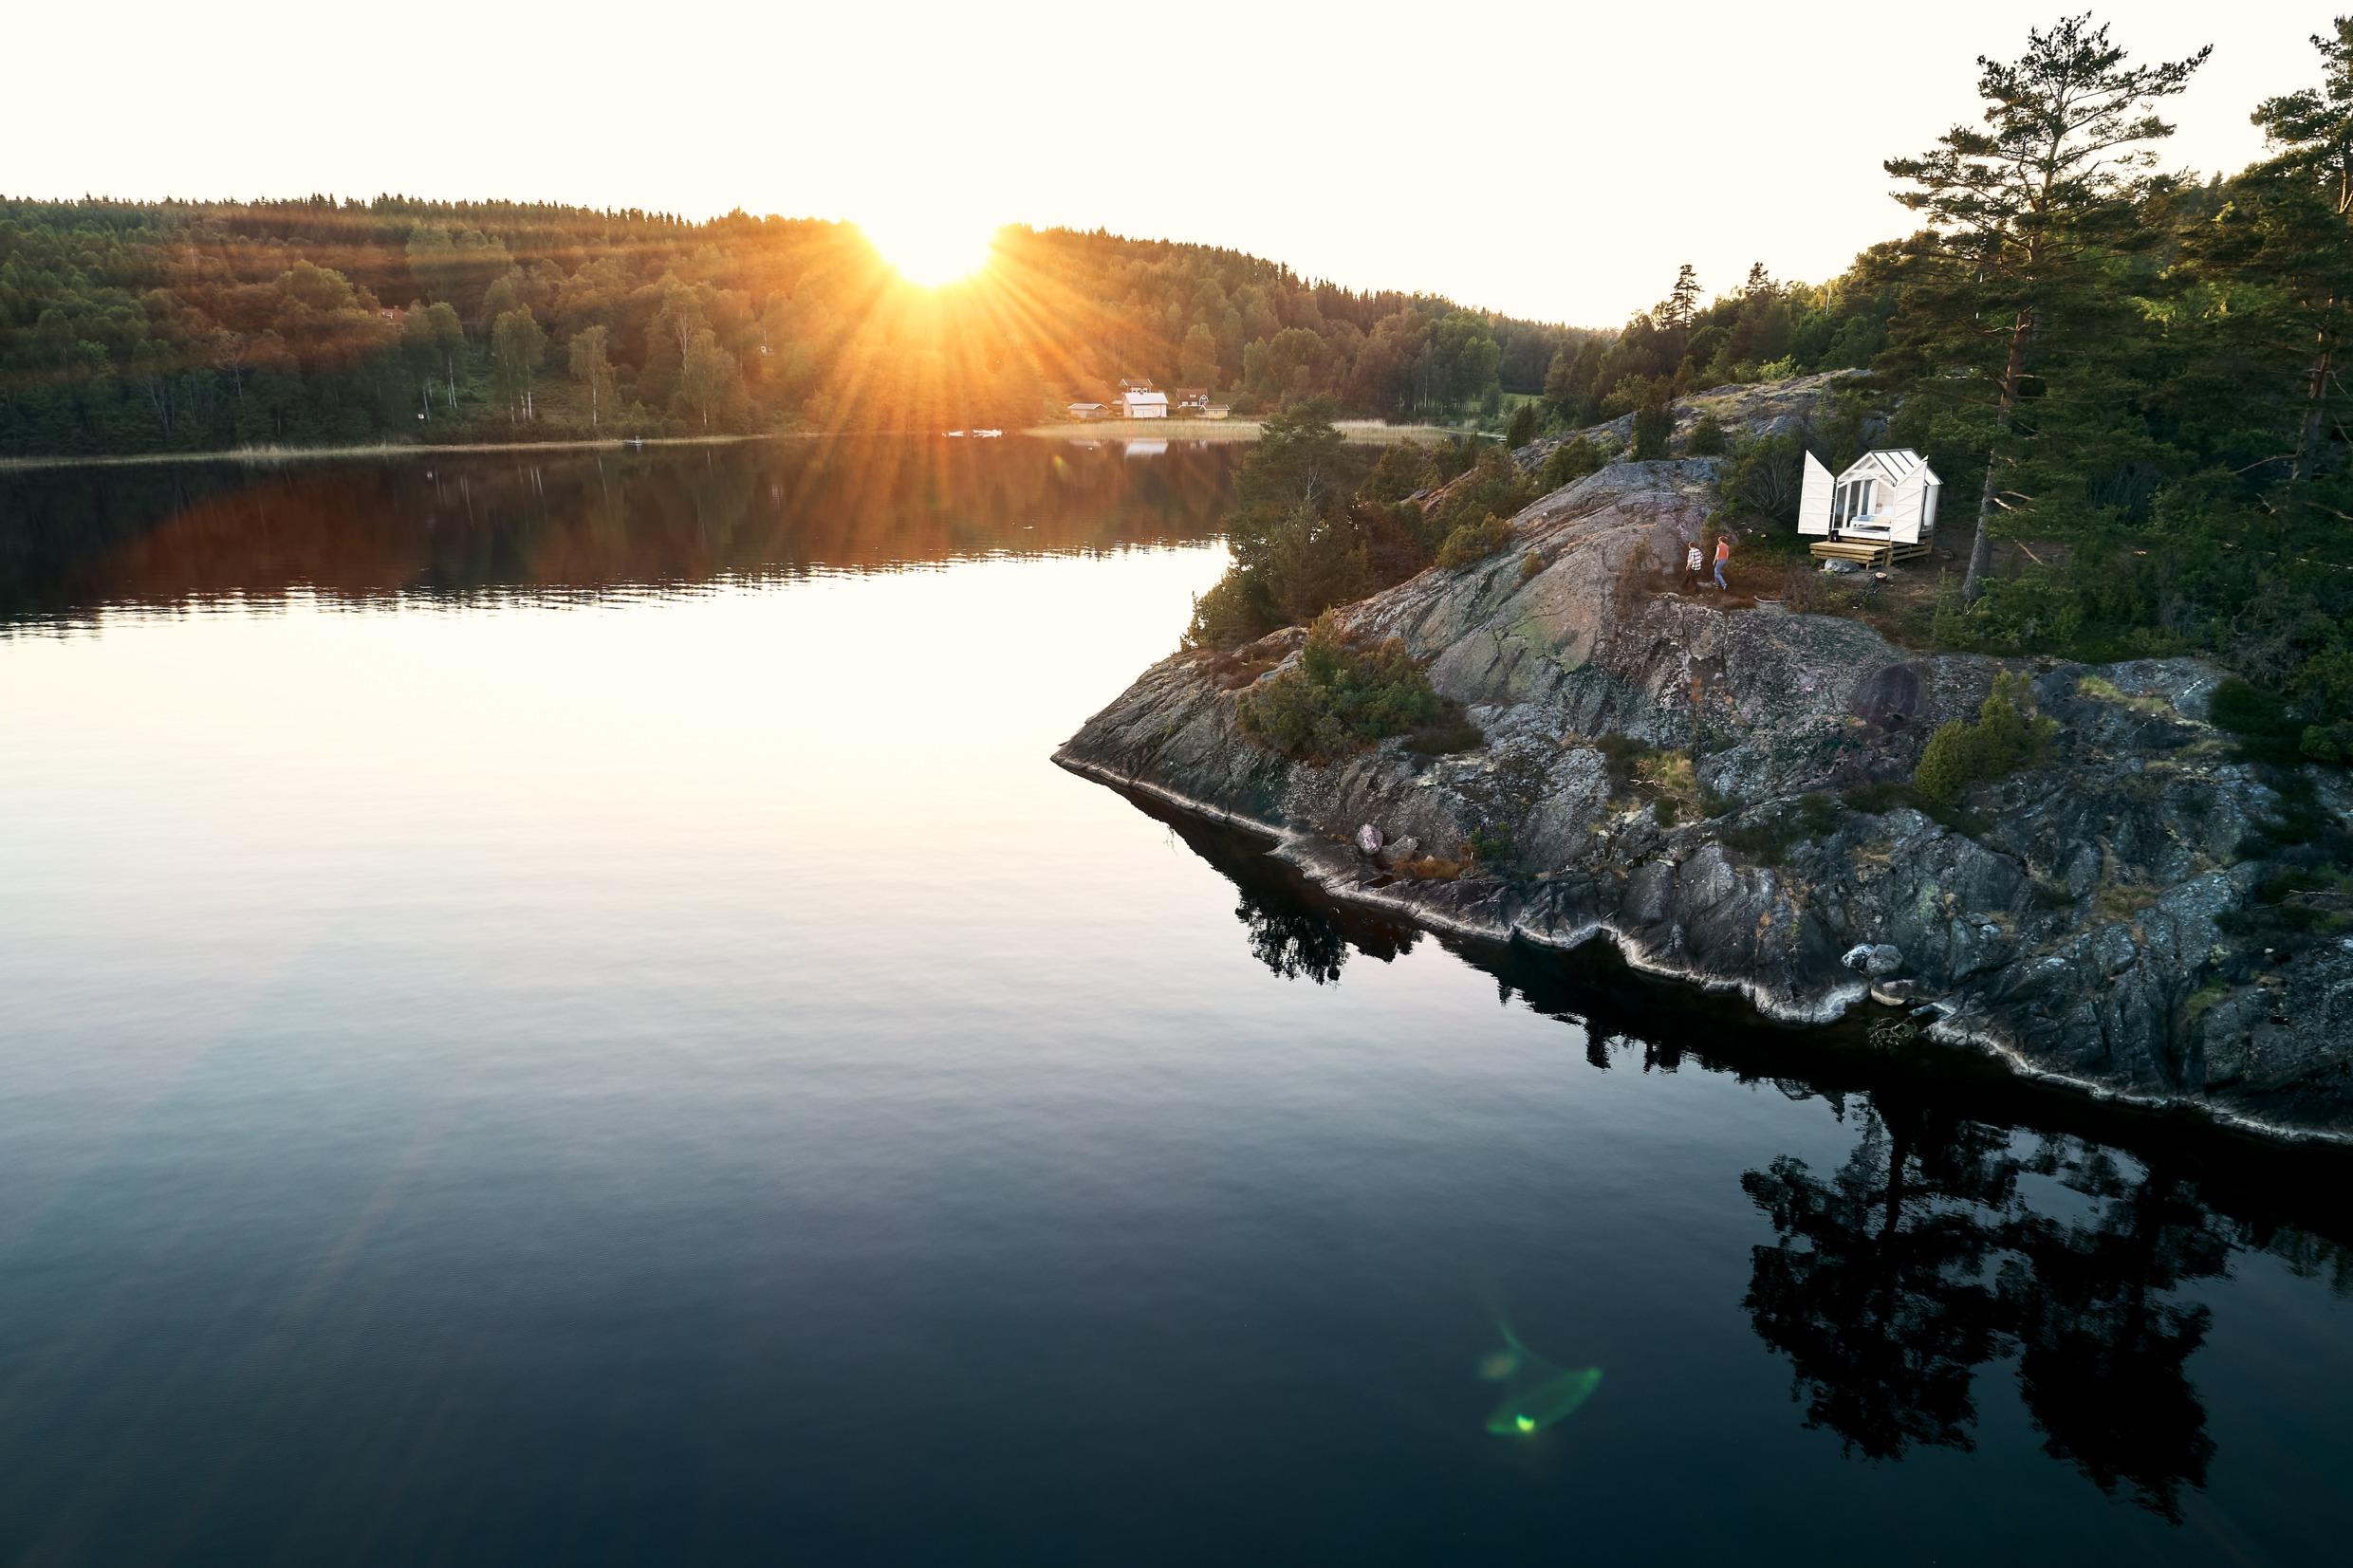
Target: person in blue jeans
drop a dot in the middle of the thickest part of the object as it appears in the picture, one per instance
(1723, 553)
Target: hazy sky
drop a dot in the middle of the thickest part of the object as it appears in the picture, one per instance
(1555, 160)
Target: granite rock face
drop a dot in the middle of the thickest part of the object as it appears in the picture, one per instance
(2076, 918)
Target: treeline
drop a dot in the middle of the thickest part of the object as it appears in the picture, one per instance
(186, 327)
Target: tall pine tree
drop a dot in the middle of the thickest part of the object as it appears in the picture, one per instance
(2023, 218)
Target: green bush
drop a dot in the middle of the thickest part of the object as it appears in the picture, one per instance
(1572, 461)
(1531, 566)
(1403, 469)
(1339, 698)
(1654, 422)
(1232, 612)
(1474, 542)
(1491, 845)
(2009, 734)
(2244, 709)
(1765, 478)
(1707, 437)
(1522, 428)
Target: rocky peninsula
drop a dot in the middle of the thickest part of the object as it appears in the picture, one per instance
(1720, 790)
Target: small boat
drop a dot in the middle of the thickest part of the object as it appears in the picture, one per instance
(987, 434)
(956, 435)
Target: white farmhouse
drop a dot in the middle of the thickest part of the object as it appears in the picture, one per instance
(1143, 403)
(1882, 508)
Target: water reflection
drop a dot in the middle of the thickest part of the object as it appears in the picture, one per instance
(1972, 1224)
(572, 523)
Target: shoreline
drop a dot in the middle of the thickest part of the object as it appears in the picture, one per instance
(1365, 431)
(1295, 850)
(1368, 432)
(264, 456)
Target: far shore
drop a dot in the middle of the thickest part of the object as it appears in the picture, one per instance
(1099, 429)
(379, 449)
(1225, 430)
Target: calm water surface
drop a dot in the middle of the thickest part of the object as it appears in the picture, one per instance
(555, 1010)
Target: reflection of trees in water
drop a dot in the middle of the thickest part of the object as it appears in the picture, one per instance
(1295, 942)
(1876, 1292)
(583, 521)
(2102, 1349)
(1942, 1244)
(1918, 1262)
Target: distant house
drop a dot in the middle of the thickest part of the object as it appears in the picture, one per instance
(1143, 404)
(1884, 505)
(1089, 410)
(1191, 400)
(1214, 411)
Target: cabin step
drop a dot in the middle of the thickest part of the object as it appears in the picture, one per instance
(1868, 552)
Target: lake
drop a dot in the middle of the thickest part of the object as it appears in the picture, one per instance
(553, 1008)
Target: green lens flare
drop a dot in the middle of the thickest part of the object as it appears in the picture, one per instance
(1536, 1392)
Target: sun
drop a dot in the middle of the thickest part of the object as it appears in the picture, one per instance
(929, 251)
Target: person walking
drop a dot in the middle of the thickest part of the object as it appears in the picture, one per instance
(1723, 553)
(1692, 568)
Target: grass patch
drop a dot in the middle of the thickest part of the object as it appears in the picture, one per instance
(2100, 687)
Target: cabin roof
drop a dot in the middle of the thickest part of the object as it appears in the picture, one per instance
(1896, 463)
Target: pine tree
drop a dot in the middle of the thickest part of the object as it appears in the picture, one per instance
(2293, 229)
(2021, 217)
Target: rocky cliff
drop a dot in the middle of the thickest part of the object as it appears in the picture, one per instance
(1695, 781)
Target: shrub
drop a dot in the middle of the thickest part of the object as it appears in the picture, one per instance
(2244, 709)
(1654, 421)
(1876, 799)
(1765, 477)
(1403, 469)
(1229, 614)
(1474, 542)
(2007, 736)
(1522, 428)
(1531, 564)
(1707, 437)
(1489, 845)
(1451, 731)
(1771, 840)
(1572, 461)
(1339, 698)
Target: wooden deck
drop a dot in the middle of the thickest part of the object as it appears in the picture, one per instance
(1867, 552)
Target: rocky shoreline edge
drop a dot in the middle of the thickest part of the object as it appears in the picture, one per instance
(1338, 873)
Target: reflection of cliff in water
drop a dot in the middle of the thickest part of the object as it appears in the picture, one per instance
(1976, 1222)
(580, 521)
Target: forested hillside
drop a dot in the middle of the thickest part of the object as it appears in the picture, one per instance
(174, 326)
